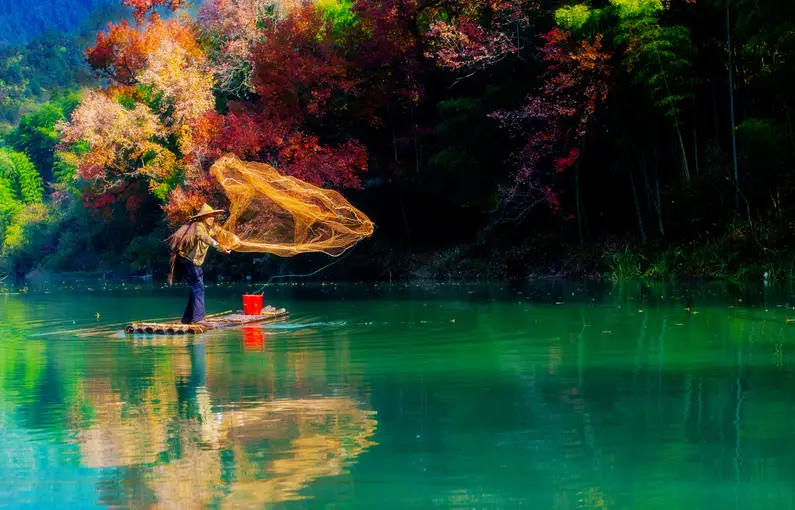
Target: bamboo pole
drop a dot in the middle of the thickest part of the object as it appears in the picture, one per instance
(731, 109)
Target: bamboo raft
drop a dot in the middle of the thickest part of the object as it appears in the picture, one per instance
(219, 321)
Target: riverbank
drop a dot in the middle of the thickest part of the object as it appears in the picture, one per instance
(602, 261)
(614, 261)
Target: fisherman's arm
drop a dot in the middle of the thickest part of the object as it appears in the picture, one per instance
(225, 238)
(203, 236)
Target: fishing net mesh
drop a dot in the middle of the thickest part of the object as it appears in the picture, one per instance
(282, 215)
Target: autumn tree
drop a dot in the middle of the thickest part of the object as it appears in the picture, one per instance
(138, 127)
(294, 73)
(231, 29)
(479, 34)
(555, 120)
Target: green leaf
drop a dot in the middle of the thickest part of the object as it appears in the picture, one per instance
(573, 17)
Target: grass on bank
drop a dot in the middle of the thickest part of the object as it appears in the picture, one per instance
(704, 262)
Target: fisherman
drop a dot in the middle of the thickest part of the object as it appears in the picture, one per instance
(189, 247)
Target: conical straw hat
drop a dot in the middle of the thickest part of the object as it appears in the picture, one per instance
(206, 210)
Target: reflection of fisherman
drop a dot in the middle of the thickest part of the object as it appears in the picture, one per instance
(189, 247)
(193, 392)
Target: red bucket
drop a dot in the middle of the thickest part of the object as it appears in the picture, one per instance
(252, 304)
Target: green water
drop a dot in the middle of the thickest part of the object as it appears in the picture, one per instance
(551, 396)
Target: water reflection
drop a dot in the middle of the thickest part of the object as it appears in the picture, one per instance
(253, 338)
(625, 399)
(175, 429)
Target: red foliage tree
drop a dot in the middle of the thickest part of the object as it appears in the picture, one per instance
(387, 47)
(185, 201)
(298, 69)
(103, 203)
(299, 74)
(122, 51)
(304, 157)
(576, 80)
(461, 41)
(253, 136)
(239, 132)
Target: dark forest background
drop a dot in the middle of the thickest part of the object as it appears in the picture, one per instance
(517, 139)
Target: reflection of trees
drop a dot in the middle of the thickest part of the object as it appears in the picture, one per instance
(635, 410)
(22, 361)
(606, 407)
(699, 398)
(170, 431)
(331, 434)
(122, 434)
(35, 375)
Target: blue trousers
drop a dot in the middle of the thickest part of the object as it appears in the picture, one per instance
(194, 276)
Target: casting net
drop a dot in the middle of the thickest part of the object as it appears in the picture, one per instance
(282, 215)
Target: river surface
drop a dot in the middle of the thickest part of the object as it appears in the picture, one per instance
(547, 396)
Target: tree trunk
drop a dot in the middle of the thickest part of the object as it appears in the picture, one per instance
(731, 110)
(577, 198)
(637, 208)
(715, 113)
(685, 169)
(695, 142)
(693, 92)
(659, 198)
(789, 123)
(649, 200)
(392, 128)
(405, 221)
(683, 157)
(417, 146)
